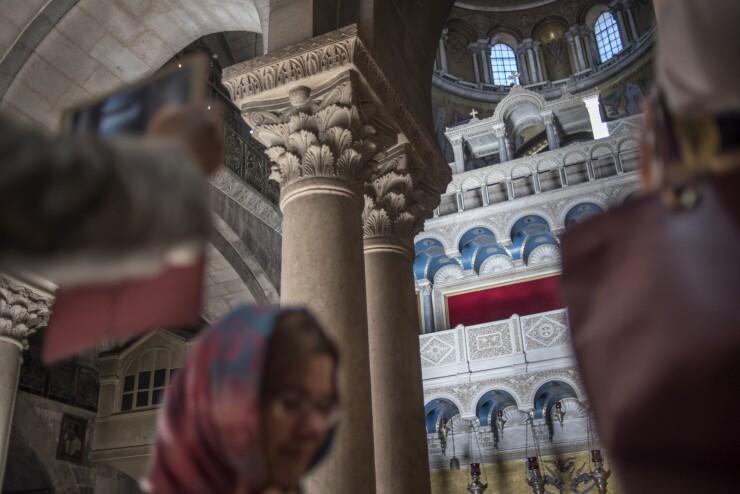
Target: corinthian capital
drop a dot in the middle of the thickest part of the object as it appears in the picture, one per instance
(22, 311)
(396, 206)
(324, 108)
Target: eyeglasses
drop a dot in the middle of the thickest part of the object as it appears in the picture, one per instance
(295, 404)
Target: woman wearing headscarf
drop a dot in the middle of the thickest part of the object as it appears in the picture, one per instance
(252, 409)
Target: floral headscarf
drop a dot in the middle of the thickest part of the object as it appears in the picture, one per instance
(209, 431)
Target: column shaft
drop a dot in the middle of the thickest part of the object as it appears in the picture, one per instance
(10, 366)
(459, 154)
(552, 138)
(323, 269)
(442, 55)
(502, 151)
(485, 64)
(401, 458)
(475, 68)
(579, 52)
(532, 68)
(633, 24)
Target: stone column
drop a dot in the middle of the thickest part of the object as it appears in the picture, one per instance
(552, 137)
(476, 69)
(591, 49)
(572, 52)
(598, 126)
(459, 154)
(443, 51)
(540, 63)
(427, 306)
(521, 54)
(326, 113)
(401, 458)
(616, 10)
(535, 77)
(500, 132)
(628, 8)
(22, 312)
(485, 65)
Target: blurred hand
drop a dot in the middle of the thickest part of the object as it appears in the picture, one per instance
(197, 129)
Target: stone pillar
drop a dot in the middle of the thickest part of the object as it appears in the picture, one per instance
(591, 49)
(552, 137)
(598, 126)
(628, 8)
(579, 51)
(476, 69)
(401, 458)
(531, 64)
(563, 177)
(616, 10)
(427, 306)
(485, 65)
(22, 312)
(500, 133)
(443, 51)
(572, 52)
(540, 63)
(521, 54)
(326, 113)
(509, 189)
(459, 154)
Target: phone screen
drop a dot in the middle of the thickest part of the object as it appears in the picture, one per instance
(129, 111)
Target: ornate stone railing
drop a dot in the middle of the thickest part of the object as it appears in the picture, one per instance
(551, 89)
(243, 154)
(561, 168)
(495, 345)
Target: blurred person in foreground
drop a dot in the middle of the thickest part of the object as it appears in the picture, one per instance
(252, 409)
(652, 286)
(78, 207)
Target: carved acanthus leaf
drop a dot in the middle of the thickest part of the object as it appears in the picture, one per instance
(22, 311)
(377, 224)
(318, 162)
(300, 141)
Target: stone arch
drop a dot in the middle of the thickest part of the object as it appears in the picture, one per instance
(495, 176)
(470, 183)
(463, 229)
(547, 164)
(536, 385)
(601, 150)
(503, 35)
(574, 157)
(565, 209)
(530, 212)
(628, 144)
(90, 50)
(497, 387)
(463, 28)
(589, 15)
(521, 171)
(447, 273)
(496, 264)
(516, 97)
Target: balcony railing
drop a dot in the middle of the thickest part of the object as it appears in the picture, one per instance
(497, 344)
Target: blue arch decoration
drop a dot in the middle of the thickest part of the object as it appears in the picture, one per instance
(528, 233)
(492, 402)
(430, 258)
(550, 393)
(438, 409)
(580, 213)
(477, 245)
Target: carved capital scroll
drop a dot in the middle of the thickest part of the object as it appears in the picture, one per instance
(22, 311)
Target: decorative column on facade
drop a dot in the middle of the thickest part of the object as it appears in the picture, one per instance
(22, 312)
(499, 131)
(570, 40)
(577, 47)
(598, 126)
(485, 64)
(327, 114)
(476, 68)
(629, 6)
(531, 62)
(592, 51)
(427, 306)
(617, 9)
(443, 51)
(459, 154)
(393, 215)
(521, 53)
(538, 58)
(552, 136)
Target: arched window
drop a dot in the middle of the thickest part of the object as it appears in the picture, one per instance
(607, 36)
(503, 63)
(146, 378)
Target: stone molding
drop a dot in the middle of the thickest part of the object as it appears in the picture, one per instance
(312, 61)
(22, 311)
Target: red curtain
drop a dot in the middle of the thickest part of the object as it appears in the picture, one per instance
(497, 303)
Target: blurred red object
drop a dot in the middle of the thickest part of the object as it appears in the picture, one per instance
(85, 315)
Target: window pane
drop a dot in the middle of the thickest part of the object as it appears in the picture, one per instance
(127, 402)
(157, 396)
(159, 377)
(607, 36)
(503, 63)
(128, 383)
(145, 380)
(142, 399)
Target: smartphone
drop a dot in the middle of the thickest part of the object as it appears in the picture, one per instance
(129, 110)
